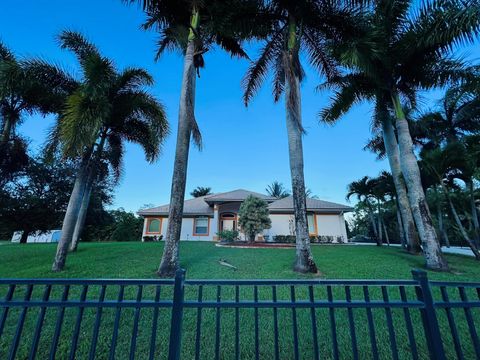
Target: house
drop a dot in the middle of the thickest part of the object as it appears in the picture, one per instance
(38, 236)
(205, 216)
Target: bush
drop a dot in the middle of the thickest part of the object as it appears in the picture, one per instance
(284, 238)
(152, 238)
(228, 235)
(253, 217)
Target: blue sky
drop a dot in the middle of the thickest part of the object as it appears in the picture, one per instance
(244, 147)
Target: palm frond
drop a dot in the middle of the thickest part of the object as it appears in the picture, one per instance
(258, 69)
(132, 78)
(78, 44)
(5, 53)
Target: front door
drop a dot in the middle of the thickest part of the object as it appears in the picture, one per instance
(228, 221)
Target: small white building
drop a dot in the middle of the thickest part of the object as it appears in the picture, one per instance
(51, 236)
(205, 216)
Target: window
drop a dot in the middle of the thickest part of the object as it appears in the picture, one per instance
(311, 224)
(200, 226)
(153, 226)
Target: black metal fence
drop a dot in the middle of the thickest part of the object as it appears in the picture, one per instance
(239, 319)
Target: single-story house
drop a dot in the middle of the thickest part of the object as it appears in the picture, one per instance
(205, 216)
(50, 236)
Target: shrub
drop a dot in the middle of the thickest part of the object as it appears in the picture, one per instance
(254, 217)
(228, 235)
(284, 238)
(152, 238)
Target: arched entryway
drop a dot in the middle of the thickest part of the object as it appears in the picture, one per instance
(228, 221)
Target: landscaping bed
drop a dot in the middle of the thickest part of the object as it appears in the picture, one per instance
(261, 245)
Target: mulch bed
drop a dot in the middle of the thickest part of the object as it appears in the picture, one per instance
(262, 245)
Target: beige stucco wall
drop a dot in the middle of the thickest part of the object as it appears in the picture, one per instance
(331, 225)
(186, 232)
(327, 225)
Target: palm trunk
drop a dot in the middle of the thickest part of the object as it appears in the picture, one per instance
(82, 214)
(470, 243)
(170, 260)
(371, 215)
(401, 231)
(393, 154)
(71, 214)
(304, 258)
(421, 213)
(379, 222)
(476, 225)
(441, 226)
(386, 233)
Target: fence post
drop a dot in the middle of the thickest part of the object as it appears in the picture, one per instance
(177, 315)
(429, 317)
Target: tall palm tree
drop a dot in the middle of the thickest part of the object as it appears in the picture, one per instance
(192, 27)
(442, 165)
(352, 88)
(363, 189)
(456, 121)
(397, 52)
(296, 26)
(277, 190)
(107, 109)
(28, 86)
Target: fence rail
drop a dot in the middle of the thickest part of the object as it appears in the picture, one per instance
(239, 319)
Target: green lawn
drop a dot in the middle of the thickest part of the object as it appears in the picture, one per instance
(200, 259)
(137, 260)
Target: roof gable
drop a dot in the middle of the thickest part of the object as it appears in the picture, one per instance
(236, 195)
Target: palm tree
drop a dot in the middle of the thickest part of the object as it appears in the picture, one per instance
(107, 109)
(397, 52)
(455, 122)
(442, 165)
(28, 86)
(192, 27)
(201, 191)
(277, 190)
(295, 26)
(364, 189)
(457, 116)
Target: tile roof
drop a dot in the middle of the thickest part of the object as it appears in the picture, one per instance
(236, 195)
(195, 206)
(202, 205)
(312, 204)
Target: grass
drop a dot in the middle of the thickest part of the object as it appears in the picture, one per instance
(200, 259)
(137, 260)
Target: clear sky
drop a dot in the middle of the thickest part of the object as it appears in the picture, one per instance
(244, 147)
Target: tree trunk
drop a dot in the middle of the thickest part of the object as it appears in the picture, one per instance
(421, 213)
(470, 243)
(379, 223)
(170, 260)
(441, 226)
(393, 154)
(476, 225)
(71, 215)
(401, 231)
(304, 258)
(371, 215)
(386, 233)
(24, 237)
(82, 214)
